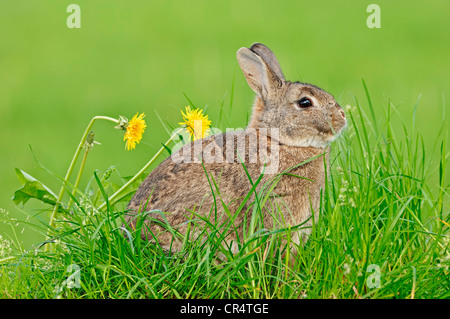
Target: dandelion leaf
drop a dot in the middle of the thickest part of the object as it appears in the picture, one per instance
(32, 188)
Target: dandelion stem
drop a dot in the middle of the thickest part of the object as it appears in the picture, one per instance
(80, 172)
(143, 169)
(72, 166)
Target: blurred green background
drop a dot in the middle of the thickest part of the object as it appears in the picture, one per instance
(143, 56)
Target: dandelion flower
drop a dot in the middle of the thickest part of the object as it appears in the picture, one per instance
(196, 123)
(134, 131)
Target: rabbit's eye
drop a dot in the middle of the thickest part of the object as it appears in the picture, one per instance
(304, 102)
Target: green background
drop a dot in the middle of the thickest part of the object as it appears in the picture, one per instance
(143, 56)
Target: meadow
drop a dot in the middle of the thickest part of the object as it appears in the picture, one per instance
(387, 201)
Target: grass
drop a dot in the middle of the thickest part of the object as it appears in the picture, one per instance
(383, 232)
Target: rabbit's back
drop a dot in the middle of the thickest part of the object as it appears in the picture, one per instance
(188, 176)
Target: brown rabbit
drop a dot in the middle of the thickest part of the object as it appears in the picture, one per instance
(291, 123)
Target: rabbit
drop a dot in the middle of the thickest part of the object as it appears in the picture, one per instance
(291, 122)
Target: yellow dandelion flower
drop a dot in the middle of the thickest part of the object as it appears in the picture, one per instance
(134, 131)
(196, 123)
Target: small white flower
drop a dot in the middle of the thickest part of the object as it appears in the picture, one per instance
(351, 202)
(5, 247)
(347, 269)
(349, 108)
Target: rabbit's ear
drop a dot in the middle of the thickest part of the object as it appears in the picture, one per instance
(269, 57)
(260, 77)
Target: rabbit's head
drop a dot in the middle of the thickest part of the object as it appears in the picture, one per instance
(305, 115)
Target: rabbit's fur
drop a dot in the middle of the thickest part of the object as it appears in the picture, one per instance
(281, 134)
